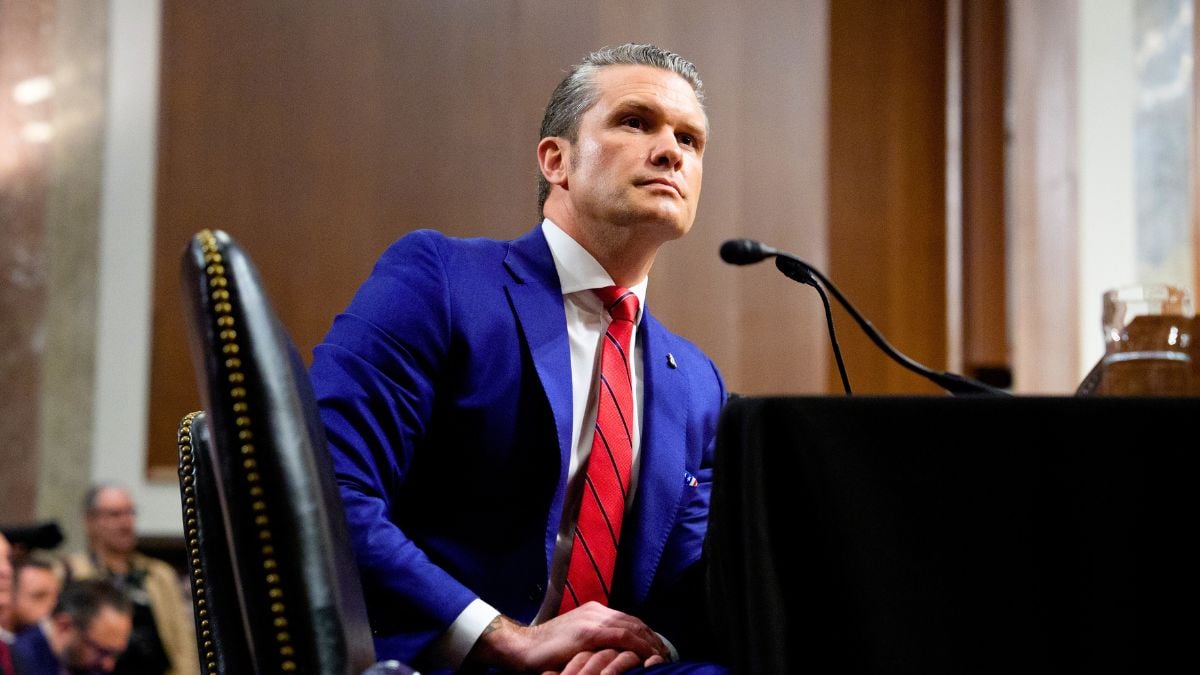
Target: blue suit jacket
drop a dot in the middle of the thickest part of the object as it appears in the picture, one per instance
(32, 654)
(445, 389)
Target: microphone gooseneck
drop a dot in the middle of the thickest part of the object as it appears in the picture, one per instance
(748, 251)
(837, 349)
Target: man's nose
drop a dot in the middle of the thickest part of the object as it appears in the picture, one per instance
(667, 152)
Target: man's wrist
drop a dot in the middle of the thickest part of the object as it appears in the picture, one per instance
(502, 643)
(452, 648)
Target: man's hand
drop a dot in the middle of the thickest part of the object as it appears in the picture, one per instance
(607, 662)
(587, 639)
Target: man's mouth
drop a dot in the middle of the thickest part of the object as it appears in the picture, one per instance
(666, 182)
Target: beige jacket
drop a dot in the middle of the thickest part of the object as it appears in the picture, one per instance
(172, 615)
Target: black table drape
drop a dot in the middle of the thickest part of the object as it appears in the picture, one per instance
(939, 535)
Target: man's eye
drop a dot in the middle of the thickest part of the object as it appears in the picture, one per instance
(687, 139)
(633, 122)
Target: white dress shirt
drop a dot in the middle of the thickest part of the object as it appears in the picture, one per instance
(578, 275)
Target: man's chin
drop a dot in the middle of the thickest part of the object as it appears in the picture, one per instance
(667, 220)
(671, 226)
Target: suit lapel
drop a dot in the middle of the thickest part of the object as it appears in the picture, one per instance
(537, 303)
(663, 453)
(536, 296)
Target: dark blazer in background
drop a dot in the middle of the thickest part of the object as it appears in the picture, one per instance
(32, 654)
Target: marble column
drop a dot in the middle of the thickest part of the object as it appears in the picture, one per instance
(26, 95)
(72, 234)
(52, 81)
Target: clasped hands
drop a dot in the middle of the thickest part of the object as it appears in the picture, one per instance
(589, 639)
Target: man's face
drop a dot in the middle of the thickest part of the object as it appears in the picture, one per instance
(95, 647)
(6, 579)
(110, 523)
(638, 158)
(36, 591)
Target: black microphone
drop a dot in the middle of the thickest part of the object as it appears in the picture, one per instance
(748, 251)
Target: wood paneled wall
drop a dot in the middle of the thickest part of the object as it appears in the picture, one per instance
(985, 247)
(317, 133)
(887, 194)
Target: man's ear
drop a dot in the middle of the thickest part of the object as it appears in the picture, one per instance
(553, 156)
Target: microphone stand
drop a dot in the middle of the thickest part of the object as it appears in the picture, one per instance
(806, 277)
(800, 271)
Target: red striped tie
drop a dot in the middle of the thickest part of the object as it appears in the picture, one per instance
(602, 505)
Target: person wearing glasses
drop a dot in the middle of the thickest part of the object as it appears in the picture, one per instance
(164, 640)
(87, 632)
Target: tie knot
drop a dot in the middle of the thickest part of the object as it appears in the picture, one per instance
(620, 302)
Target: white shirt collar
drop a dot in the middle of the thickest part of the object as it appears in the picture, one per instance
(578, 270)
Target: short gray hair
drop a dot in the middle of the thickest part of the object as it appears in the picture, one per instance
(93, 492)
(576, 94)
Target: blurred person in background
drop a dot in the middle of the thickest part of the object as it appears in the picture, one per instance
(35, 592)
(6, 592)
(164, 638)
(86, 633)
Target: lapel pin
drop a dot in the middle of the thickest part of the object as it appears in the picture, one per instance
(671, 361)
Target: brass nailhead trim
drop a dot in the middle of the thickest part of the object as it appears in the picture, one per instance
(187, 474)
(243, 416)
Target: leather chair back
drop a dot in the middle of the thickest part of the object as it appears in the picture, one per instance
(260, 454)
(220, 631)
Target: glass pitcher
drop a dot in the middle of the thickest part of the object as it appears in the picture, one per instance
(1147, 332)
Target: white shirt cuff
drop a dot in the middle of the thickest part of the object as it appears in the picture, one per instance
(670, 647)
(452, 648)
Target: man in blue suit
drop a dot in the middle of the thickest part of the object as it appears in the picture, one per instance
(463, 393)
